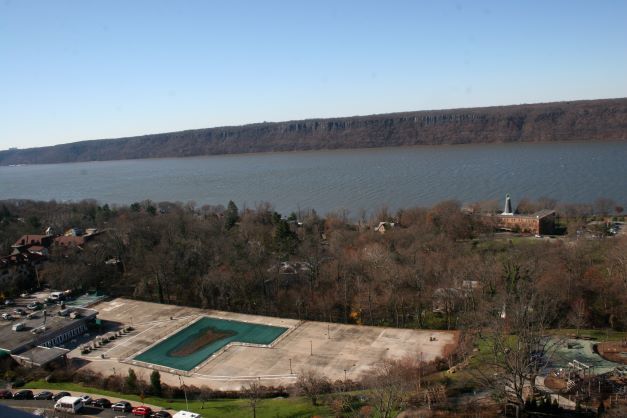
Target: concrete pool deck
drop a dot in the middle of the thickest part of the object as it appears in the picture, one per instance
(353, 348)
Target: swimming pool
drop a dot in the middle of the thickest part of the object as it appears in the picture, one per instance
(198, 341)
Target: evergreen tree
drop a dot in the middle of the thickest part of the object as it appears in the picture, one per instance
(155, 383)
(231, 215)
(131, 381)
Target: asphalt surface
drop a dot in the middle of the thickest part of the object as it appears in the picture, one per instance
(88, 411)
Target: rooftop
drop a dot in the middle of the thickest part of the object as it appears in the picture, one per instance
(40, 356)
(32, 240)
(536, 215)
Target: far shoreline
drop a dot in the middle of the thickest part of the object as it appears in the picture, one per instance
(330, 150)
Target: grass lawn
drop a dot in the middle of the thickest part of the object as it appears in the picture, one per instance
(288, 407)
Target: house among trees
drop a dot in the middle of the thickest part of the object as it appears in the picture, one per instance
(289, 272)
(383, 227)
(26, 241)
(31, 251)
(540, 223)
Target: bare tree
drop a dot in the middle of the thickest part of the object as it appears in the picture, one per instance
(578, 316)
(254, 393)
(311, 385)
(391, 384)
(518, 343)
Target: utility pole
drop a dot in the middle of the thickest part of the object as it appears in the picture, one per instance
(311, 347)
(291, 367)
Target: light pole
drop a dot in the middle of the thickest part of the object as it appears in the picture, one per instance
(291, 367)
(311, 347)
(420, 372)
(184, 392)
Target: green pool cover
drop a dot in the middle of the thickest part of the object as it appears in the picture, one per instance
(185, 350)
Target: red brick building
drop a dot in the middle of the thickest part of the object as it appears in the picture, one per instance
(539, 223)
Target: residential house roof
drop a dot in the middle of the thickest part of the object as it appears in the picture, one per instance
(70, 241)
(33, 240)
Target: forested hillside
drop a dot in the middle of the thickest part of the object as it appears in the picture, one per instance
(561, 121)
(439, 267)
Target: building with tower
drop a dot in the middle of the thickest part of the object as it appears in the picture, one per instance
(538, 223)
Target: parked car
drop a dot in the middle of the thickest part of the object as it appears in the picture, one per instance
(142, 411)
(186, 414)
(35, 306)
(9, 302)
(6, 394)
(44, 396)
(162, 414)
(69, 405)
(101, 403)
(19, 311)
(86, 399)
(7, 316)
(122, 406)
(23, 394)
(61, 395)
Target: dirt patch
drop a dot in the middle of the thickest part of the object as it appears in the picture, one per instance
(615, 351)
(203, 338)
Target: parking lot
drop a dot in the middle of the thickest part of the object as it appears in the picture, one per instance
(31, 405)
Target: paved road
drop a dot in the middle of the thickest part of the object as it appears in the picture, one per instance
(88, 411)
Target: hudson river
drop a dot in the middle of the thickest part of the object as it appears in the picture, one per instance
(349, 179)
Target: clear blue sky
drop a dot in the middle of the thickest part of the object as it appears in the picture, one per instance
(75, 70)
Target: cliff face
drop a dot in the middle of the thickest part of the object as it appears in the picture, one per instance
(561, 121)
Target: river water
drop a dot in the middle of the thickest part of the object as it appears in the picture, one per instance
(341, 179)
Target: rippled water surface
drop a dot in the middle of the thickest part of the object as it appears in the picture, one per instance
(349, 179)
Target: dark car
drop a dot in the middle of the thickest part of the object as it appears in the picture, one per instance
(23, 394)
(19, 311)
(60, 395)
(6, 394)
(162, 414)
(101, 403)
(122, 406)
(44, 396)
(9, 302)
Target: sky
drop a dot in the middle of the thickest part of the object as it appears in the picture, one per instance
(78, 70)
